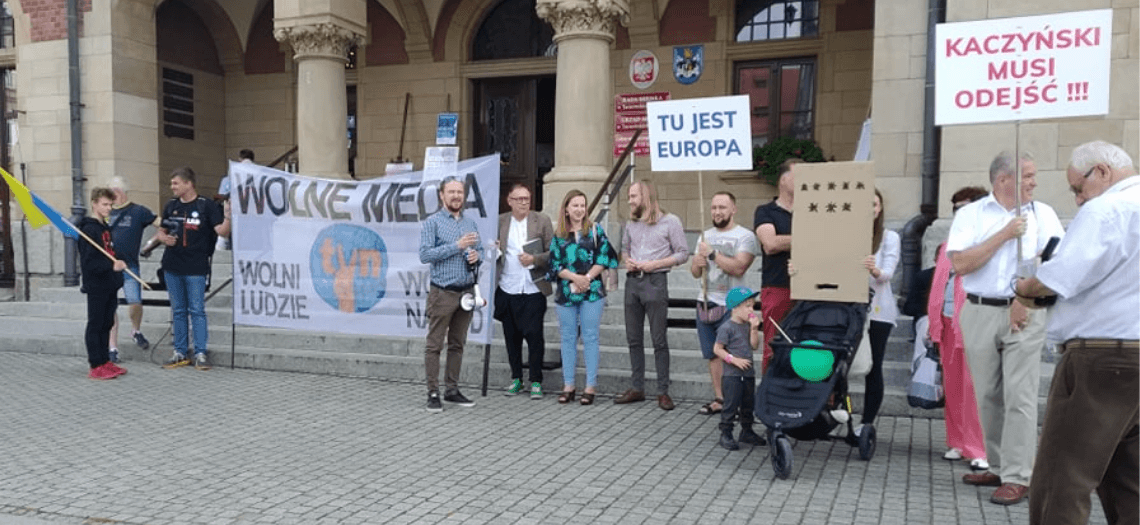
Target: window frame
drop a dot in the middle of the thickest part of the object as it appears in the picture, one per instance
(776, 111)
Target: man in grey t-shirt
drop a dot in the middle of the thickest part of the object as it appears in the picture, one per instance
(724, 254)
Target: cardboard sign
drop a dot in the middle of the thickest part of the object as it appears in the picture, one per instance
(1023, 68)
(831, 230)
(700, 134)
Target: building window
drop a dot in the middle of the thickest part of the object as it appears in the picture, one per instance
(7, 27)
(512, 29)
(177, 104)
(762, 20)
(782, 95)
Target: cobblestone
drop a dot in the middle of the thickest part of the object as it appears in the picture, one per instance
(167, 447)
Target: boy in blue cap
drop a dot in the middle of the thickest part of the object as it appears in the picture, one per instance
(735, 342)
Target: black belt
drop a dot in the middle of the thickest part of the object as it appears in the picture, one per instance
(1101, 344)
(989, 301)
(455, 287)
(639, 274)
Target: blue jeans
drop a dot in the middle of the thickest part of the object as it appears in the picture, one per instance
(188, 297)
(588, 316)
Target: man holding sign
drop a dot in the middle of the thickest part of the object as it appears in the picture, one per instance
(1003, 339)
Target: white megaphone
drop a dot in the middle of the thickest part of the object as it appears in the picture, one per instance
(473, 301)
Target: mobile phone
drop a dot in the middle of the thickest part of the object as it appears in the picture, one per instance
(1047, 253)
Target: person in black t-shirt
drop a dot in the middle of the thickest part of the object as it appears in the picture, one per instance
(190, 228)
(773, 225)
(102, 278)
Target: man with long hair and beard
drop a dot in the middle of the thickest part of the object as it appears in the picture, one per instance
(653, 242)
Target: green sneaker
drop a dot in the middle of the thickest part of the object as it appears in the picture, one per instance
(536, 390)
(515, 388)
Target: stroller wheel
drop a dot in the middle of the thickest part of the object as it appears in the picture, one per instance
(781, 456)
(867, 442)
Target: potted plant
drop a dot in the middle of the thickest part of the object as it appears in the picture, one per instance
(766, 159)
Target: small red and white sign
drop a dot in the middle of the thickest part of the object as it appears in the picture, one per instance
(643, 69)
(629, 116)
(1024, 68)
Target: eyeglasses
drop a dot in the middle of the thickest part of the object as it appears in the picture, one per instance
(1078, 190)
(519, 199)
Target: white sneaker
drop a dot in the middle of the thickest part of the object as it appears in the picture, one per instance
(953, 455)
(979, 464)
(840, 415)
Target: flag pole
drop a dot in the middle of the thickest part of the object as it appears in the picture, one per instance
(112, 257)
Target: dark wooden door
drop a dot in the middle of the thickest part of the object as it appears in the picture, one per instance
(505, 124)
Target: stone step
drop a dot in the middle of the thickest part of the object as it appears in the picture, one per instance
(613, 356)
(40, 318)
(688, 385)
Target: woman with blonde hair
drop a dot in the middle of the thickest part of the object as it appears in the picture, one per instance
(579, 253)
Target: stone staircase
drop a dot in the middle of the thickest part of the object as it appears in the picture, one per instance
(53, 322)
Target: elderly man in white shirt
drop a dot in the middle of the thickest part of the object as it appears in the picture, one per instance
(1003, 339)
(1092, 430)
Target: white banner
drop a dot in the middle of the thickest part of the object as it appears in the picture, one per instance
(343, 256)
(700, 134)
(1024, 68)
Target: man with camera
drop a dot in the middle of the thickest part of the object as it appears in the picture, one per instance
(449, 243)
(190, 228)
(1091, 433)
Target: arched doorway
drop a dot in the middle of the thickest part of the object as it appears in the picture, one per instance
(191, 96)
(514, 116)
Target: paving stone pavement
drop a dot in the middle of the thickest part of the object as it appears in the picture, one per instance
(245, 446)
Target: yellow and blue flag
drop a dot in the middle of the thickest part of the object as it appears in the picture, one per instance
(36, 210)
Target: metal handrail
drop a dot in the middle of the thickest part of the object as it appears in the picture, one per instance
(282, 158)
(613, 172)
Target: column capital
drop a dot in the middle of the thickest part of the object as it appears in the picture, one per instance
(588, 18)
(321, 40)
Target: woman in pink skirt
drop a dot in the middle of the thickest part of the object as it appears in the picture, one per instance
(963, 428)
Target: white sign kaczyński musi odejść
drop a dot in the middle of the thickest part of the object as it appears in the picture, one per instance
(1023, 68)
(700, 134)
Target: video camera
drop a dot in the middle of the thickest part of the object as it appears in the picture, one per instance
(172, 225)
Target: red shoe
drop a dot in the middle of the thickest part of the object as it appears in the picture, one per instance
(102, 373)
(116, 368)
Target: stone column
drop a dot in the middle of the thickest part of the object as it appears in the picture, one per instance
(583, 112)
(320, 51)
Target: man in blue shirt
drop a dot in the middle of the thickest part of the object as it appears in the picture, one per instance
(449, 242)
(127, 222)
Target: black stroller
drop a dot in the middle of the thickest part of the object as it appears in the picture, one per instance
(791, 406)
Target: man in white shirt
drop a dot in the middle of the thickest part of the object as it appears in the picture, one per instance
(725, 252)
(1091, 433)
(1003, 338)
(520, 298)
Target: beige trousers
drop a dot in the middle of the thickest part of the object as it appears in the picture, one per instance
(1006, 368)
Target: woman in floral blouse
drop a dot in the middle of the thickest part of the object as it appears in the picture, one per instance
(579, 253)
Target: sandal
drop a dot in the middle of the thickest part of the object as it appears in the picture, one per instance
(587, 398)
(708, 409)
(566, 396)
